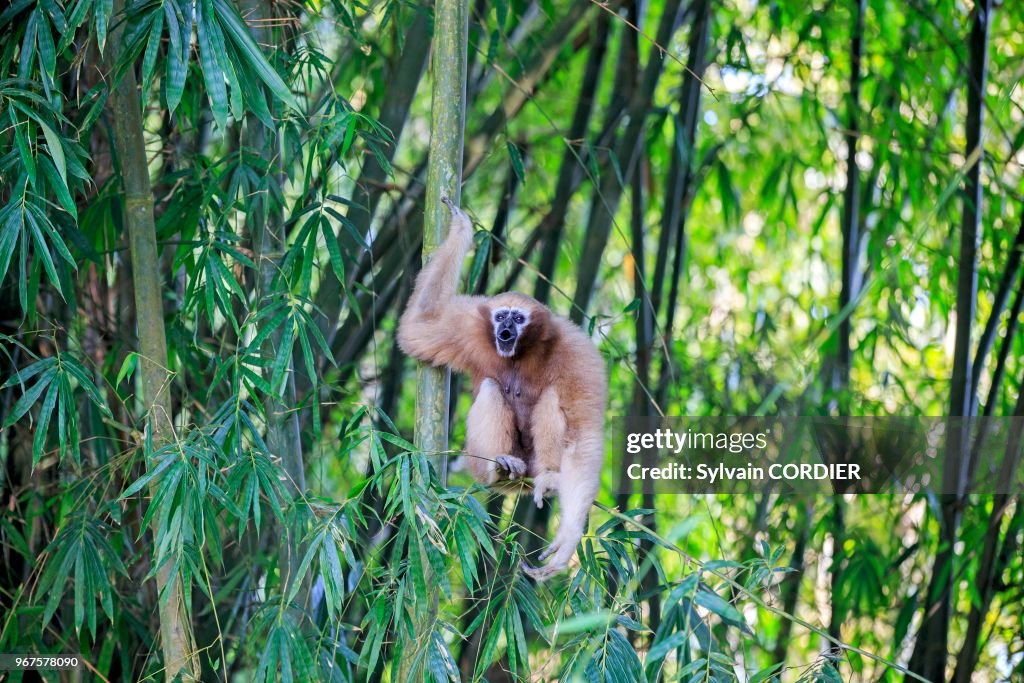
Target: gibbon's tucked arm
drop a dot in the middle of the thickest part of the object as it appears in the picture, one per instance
(439, 327)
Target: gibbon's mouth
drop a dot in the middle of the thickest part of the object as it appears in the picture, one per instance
(505, 343)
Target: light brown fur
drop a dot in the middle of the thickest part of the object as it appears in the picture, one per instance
(539, 413)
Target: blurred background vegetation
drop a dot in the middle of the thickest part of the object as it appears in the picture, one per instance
(206, 461)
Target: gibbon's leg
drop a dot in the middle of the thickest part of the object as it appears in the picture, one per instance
(490, 433)
(549, 445)
(578, 485)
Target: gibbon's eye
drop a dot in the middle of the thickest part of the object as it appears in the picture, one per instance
(499, 317)
(519, 320)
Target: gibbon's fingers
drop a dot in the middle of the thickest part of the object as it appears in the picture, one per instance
(515, 467)
(460, 220)
(538, 497)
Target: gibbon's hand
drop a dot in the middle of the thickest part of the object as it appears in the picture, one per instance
(461, 224)
(544, 483)
(513, 467)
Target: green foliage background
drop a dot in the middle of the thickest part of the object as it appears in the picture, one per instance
(673, 176)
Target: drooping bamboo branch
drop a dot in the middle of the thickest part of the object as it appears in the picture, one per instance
(176, 640)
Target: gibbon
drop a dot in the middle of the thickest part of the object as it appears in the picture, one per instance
(539, 387)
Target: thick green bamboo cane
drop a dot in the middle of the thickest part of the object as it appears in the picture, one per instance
(444, 179)
(176, 637)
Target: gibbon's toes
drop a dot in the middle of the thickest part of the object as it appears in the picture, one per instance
(541, 574)
(514, 467)
(538, 497)
(550, 550)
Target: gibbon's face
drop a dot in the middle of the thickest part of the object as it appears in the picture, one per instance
(509, 325)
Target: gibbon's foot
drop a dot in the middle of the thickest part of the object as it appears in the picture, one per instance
(514, 467)
(552, 549)
(540, 574)
(560, 553)
(544, 483)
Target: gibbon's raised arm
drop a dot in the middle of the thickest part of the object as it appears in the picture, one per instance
(438, 326)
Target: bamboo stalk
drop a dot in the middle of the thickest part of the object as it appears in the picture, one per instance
(607, 196)
(177, 641)
(444, 179)
(932, 644)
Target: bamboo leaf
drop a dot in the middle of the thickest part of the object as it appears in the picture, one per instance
(661, 648)
(20, 141)
(517, 161)
(176, 60)
(44, 423)
(25, 374)
(716, 604)
(102, 11)
(26, 60)
(128, 366)
(152, 49)
(10, 229)
(174, 83)
(281, 362)
(582, 623)
(213, 75)
(60, 188)
(331, 240)
(149, 476)
(765, 674)
(56, 15)
(47, 51)
(29, 398)
(238, 33)
(42, 250)
(55, 239)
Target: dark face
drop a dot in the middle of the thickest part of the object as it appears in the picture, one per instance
(509, 325)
